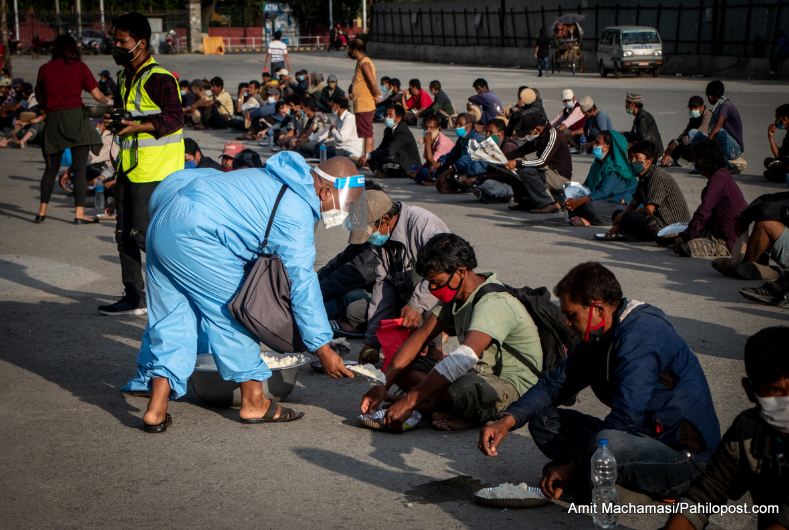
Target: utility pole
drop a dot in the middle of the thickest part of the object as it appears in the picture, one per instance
(101, 11)
(4, 33)
(78, 7)
(16, 20)
(57, 15)
(331, 14)
(364, 16)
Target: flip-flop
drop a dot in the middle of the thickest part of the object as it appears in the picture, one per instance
(159, 427)
(285, 415)
(340, 332)
(603, 236)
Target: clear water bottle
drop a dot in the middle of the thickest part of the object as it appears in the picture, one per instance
(582, 144)
(604, 486)
(98, 199)
(322, 150)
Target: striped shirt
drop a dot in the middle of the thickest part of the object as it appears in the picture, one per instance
(278, 50)
(658, 188)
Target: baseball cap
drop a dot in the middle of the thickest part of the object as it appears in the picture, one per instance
(232, 149)
(586, 103)
(272, 91)
(695, 101)
(190, 146)
(378, 204)
(567, 94)
(331, 78)
(282, 71)
(5, 82)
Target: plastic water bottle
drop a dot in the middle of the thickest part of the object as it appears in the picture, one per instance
(98, 199)
(604, 486)
(582, 144)
(322, 150)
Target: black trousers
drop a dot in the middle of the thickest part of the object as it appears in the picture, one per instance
(132, 225)
(79, 162)
(638, 226)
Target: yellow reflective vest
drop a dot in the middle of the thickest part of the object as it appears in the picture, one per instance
(144, 157)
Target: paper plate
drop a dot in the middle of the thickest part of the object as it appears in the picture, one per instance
(672, 230)
(535, 499)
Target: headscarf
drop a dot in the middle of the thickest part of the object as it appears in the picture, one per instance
(615, 162)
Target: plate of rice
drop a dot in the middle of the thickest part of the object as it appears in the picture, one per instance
(510, 495)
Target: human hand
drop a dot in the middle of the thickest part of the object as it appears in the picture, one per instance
(131, 128)
(400, 411)
(373, 398)
(666, 160)
(412, 318)
(572, 204)
(551, 484)
(332, 363)
(492, 434)
(511, 164)
(771, 130)
(614, 230)
(369, 354)
(363, 160)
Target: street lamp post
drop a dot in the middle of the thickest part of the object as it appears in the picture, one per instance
(364, 16)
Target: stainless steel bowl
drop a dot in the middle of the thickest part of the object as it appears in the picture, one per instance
(208, 385)
(98, 111)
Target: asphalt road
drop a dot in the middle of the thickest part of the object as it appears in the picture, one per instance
(71, 448)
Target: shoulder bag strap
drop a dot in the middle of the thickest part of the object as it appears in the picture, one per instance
(264, 244)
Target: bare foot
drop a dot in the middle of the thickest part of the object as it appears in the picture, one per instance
(448, 422)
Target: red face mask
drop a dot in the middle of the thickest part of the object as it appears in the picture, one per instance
(445, 293)
(594, 333)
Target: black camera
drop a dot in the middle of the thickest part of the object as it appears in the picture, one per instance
(116, 117)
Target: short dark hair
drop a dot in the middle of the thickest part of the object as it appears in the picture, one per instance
(466, 116)
(254, 83)
(766, 360)
(415, 83)
(247, 158)
(341, 101)
(590, 282)
(646, 148)
(278, 34)
(433, 118)
(395, 82)
(184, 84)
(608, 139)
(479, 83)
(497, 123)
(280, 104)
(385, 79)
(217, 81)
(135, 24)
(708, 157)
(265, 73)
(358, 44)
(398, 110)
(445, 253)
(715, 88)
(190, 146)
(782, 111)
(65, 47)
(435, 84)
(243, 84)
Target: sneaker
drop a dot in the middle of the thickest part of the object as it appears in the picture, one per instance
(738, 165)
(476, 192)
(768, 293)
(756, 271)
(124, 307)
(575, 151)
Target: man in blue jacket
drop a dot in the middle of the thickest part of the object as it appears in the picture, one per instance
(206, 227)
(662, 426)
(458, 162)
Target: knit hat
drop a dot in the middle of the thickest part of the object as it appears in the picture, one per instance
(632, 97)
(695, 101)
(378, 204)
(586, 103)
(567, 94)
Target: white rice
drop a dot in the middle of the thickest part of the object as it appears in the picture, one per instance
(369, 370)
(508, 491)
(275, 361)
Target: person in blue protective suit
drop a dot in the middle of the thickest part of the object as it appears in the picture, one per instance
(206, 227)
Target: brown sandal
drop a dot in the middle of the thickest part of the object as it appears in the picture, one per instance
(285, 415)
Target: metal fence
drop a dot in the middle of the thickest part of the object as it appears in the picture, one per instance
(693, 27)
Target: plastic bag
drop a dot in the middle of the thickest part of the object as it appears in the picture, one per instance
(65, 160)
(391, 334)
(573, 190)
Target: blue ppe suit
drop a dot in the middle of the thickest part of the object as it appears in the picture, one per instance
(206, 226)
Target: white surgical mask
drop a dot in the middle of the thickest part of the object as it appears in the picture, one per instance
(569, 104)
(775, 411)
(695, 113)
(334, 217)
(271, 99)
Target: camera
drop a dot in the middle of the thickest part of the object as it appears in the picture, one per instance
(116, 117)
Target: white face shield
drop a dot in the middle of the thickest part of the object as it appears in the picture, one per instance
(349, 207)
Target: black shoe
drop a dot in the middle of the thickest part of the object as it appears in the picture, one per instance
(159, 427)
(767, 293)
(124, 306)
(78, 221)
(40, 219)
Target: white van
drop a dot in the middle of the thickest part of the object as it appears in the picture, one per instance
(629, 48)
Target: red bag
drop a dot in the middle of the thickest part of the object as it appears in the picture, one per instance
(391, 334)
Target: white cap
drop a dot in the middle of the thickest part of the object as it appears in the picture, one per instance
(567, 94)
(281, 71)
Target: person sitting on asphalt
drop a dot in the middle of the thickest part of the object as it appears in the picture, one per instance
(315, 124)
(397, 154)
(229, 154)
(281, 121)
(203, 99)
(437, 144)
(395, 97)
(726, 127)
(529, 101)
(747, 459)
(571, 120)
(644, 125)
(194, 157)
(770, 293)
(107, 84)
(681, 147)
(539, 181)
(657, 202)
(415, 101)
(487, 101)
(493, 185)
(247, 159)
(499, 357)
(712, 230)
(397, 231)
(441, 107)
(458, 163)
(257, 120)
(317, 84)
(217, 115)
(329, 92)
(597, 121)
(662, 425)
(769, 239)
(777, 166)
(343, 140)
(346, 283)
(610, 181)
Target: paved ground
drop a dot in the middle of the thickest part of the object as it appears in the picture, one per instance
(72, 451)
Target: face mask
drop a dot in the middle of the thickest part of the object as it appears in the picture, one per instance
(597, 151)
(384, 90)
(271, 99)
(378, 239)
(629, 110)
(637, 167)
(183, 92)
(461, 132)
(302, 113)
(122, 56)
(190, 164)
(389, 122)
(570, 105)
(695, 113)
(594, 334)
(332, 85)
(775, 411)
(779, 124)
(496, 138)
(334, 217)
(299, 78)
(445, 293)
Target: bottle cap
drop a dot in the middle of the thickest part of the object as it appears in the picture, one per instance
(602, 442)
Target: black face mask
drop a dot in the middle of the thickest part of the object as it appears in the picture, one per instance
(122, 56)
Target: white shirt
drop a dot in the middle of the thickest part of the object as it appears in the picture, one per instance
(278, 50)
(344, 135)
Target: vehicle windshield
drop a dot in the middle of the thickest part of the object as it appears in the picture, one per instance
(640, 37)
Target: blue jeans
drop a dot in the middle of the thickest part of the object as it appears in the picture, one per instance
(729, 146)
(643, 464)
(542, 64)
(495, 191)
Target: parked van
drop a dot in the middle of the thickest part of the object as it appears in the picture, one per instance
(629, 48)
